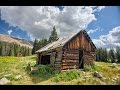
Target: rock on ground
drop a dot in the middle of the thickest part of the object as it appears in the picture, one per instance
(4, 81)
(113, 65)
(18, 77)
(98, 75)
(34, 68)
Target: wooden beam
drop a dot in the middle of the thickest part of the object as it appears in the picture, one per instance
(69, 61)
(71, 57)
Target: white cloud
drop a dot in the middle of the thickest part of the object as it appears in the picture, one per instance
(111, 39)
(9, 32)
(39, 20)
(98, 42)
(92, 31)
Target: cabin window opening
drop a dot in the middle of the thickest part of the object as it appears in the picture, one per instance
(81, 60)
(45, 59)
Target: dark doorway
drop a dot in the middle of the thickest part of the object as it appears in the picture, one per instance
(81, 59)
(45, 59)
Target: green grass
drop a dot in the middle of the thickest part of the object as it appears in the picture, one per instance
(45, 75)
(67, 76)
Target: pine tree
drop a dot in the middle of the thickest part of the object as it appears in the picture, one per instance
(35, 46)
(118, 54)
(11, 52)
(44, 42)
(112, 55)
(105, 55)
(3, 49)
(53, 37)
(39, 44)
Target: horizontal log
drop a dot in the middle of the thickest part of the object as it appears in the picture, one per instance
(67, 54)
(70, 64)
(64, 49)
(69, 67)
(71, 52)
(71, 58)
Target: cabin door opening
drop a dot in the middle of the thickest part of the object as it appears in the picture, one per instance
(45, 59)
(81, 60)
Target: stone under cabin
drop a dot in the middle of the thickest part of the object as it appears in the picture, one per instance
(68, 53)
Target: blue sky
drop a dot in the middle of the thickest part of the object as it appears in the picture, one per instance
(107, 19)
(16, 31)
(103, 25)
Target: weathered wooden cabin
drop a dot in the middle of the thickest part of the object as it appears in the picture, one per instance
(68, 53)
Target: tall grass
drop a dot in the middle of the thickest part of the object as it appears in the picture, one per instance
(89, 67)
(67, 75)
(43, 70)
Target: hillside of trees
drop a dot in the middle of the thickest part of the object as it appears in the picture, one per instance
(12, 49)
(108, 56)
(44, 41)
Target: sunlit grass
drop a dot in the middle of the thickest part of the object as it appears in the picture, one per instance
(13, 66)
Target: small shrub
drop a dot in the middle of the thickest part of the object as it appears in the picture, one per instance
(43, 70)
(88, 68)
(67, 76)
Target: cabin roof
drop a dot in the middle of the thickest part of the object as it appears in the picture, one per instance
(62, 42)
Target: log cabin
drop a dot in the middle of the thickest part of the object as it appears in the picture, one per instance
(68, 53)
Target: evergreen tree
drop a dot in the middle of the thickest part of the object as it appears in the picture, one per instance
(3, 49)
(104, 55)
(112, 55)
(53, 37)
(39, 44)
(35, 46)
(44, 42)
(12, 49)
(118, 54)
(11, 52)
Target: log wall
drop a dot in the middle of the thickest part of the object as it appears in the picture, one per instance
(70, 59)
(58, 60)
(89, 58)
(79, 41)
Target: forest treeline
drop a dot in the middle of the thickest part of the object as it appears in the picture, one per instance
(12, 49)
(112, 55)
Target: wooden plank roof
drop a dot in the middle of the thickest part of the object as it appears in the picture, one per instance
(62, 42)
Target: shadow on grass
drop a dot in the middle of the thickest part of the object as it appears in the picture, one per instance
(37, 77)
